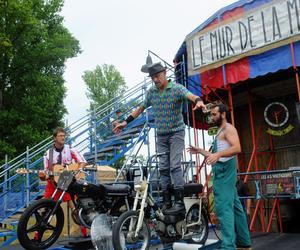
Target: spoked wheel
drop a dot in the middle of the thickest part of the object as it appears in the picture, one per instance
(124, 233)
(199, 231)
(34, 232)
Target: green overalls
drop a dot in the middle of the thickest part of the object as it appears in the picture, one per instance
(228, 206)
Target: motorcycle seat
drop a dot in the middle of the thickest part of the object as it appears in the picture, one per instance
(117, 189)
(192, 188)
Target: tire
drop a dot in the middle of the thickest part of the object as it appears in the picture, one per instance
(33, 237)
(202, 229)
(121, 239)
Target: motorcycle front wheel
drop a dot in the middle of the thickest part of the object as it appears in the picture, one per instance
(34, 232)
(123, 235)
(200, 231)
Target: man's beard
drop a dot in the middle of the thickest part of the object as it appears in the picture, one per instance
(158, 85)
(218, 122)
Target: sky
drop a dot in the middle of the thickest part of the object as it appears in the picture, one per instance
(120, 32)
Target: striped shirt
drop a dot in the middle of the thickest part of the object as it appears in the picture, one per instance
(68, 155)
(167, 107)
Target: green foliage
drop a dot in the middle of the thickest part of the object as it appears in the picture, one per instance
(103, 84)
(34, 46)
(119, 163)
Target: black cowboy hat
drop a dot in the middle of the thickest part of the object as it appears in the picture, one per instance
(156, 68)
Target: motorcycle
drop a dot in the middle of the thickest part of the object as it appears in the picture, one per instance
(134, 229)
(42, 222)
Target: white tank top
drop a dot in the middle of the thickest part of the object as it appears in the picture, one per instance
(221, 146)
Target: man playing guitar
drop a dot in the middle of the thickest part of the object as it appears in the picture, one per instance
(62, 154)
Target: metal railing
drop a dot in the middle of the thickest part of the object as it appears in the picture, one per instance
(16, 191)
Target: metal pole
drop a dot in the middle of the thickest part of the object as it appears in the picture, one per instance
(295, 69)
(5, 181)
(187, 109)
(231, 104)
(279, 216)
(230, 99)
(272, 214)
(147, 119)
(149, 51)
(27, 161)
(253, 155)
(68, 218)
(196, 144)
(94, 124)
(271, 162)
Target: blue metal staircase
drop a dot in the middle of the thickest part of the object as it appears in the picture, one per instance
(92, 135)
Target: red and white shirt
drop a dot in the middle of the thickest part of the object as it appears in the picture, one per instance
(68, 155)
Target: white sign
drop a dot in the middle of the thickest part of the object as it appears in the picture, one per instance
(269, 26)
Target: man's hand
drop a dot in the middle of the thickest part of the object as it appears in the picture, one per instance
(193, 150)
(114, 123)
(81, 165)
(213, 158)
(196, 150)
(199, 105)
(119, 126)
(42, 176)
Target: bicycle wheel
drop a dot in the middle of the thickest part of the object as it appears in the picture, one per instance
(33, 231)
(124, 238)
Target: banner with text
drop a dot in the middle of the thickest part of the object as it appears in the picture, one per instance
(270, 26)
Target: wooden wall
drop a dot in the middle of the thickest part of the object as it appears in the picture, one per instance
(287, 147)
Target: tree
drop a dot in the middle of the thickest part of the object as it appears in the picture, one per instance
(34, 46)
(103, 84)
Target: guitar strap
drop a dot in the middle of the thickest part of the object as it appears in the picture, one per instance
(50, 163)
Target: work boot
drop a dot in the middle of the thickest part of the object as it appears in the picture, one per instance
(178, 206)
(166, 201)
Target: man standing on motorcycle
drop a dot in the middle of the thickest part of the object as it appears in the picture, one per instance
(166, 99)
(62, 154)
(227, 204)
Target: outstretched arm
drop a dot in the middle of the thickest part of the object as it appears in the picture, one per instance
(119, 126)
(196, 150)
(197, 100)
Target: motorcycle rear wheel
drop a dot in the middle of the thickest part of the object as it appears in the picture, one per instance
(123, 239)
(33, 231)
